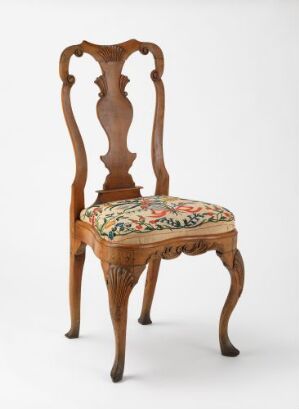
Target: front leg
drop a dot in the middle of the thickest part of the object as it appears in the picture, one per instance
(120, 281)
(234, 263)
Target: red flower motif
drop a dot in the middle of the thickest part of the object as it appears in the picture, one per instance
(154, 221)
(139, 227)
(160, 213)
(188, 209)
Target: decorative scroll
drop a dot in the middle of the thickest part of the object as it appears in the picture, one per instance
(191, 249)
(122, 84)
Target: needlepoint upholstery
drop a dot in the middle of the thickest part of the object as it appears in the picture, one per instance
(155, 218)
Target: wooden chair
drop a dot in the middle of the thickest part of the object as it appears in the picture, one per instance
(125, 230)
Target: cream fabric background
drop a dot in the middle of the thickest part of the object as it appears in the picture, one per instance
(106, 216)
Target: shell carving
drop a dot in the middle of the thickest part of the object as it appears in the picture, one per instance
(111, 53)
(121, 282)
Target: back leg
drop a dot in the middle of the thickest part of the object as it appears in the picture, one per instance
(234, 263)
(149, 290)
(75, 279)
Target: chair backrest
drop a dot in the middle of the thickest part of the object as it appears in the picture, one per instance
(115, 113)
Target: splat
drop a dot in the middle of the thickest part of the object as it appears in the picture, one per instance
(115, 113)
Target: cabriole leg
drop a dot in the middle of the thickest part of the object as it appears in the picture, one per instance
(120, 281)
(234, 263)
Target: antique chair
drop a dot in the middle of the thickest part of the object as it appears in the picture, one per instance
(125, 230)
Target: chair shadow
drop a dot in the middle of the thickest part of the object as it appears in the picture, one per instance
(191, 352)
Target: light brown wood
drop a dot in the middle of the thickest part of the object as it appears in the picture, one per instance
(120, 282)
(123, 264)
(150, 285)
(75, 279)
(234, 263)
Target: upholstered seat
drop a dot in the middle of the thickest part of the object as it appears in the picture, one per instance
(155, 218)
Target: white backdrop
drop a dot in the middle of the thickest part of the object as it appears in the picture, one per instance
(231, 137)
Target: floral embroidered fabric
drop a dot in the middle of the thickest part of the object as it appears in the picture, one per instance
(155, 218)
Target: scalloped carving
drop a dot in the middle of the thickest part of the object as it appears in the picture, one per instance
(111, 53)
(120, 282)
(123, 80)
(102, 84)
